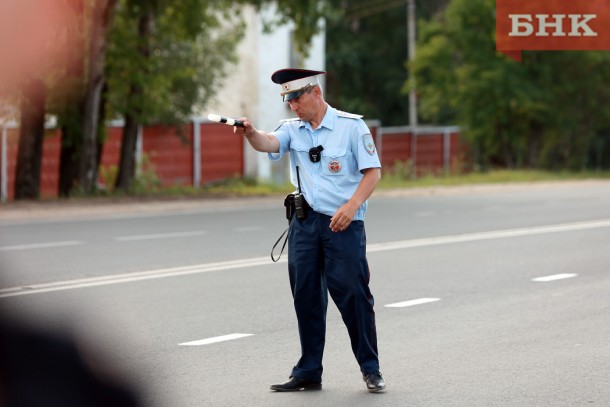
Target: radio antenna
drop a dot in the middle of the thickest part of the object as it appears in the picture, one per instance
(298, 180)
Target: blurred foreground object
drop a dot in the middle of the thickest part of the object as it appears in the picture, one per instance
(32, 39)
(42, 369)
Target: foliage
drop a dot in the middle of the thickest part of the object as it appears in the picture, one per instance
(192, 44)
(305, 15)
(366, 55)
(146, 179)
(189, 53)
(546, 112)
(245, 187)
(108, 174)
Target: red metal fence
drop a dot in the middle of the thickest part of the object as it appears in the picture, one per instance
(175, 158)
(426, 150)
(204, 152)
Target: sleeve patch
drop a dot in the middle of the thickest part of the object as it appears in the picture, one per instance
(369, 144)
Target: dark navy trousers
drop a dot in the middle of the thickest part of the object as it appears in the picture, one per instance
(321, 261)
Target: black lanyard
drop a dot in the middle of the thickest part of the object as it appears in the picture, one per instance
(283, 246)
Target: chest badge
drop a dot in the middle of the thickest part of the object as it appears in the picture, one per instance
(334, 166)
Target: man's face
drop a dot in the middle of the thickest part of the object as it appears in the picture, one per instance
(305, 106)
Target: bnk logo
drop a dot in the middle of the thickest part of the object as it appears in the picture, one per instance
(552, 25)
(525, 25)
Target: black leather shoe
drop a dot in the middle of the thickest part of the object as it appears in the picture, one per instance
(374, 382)
(296, 384)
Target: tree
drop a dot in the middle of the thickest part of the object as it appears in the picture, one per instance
(165, 58)
(545, 112)
(31, 132)
(89, 160)
(33, 43)
(366, 55)
(46, 71)
(77, 97)
(67, 98)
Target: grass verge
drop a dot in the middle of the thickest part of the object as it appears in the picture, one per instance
(249, 187)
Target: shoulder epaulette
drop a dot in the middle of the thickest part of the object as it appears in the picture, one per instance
(294, 119)
(349, 115)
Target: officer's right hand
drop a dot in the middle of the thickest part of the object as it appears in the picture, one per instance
(260, 141)
(247, 130)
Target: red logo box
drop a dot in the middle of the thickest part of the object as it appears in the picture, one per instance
(550, 25)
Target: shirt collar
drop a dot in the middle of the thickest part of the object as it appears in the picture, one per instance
(328, 121)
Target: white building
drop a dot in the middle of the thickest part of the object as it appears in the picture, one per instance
(248, 90)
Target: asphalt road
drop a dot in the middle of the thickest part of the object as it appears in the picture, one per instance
(463, 317)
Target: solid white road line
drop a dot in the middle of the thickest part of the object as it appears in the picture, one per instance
(554, 277)
(40, 246)
(215, 339)
(159, 236)
(496, 234)
(134, 276)
(410, 303)
(266, 261)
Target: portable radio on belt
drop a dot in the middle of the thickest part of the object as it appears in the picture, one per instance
(299, 202)
(296, 205)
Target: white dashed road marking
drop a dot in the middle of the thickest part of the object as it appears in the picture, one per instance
(215, 339)
(412, 302)
(554, 277)
(40, 246)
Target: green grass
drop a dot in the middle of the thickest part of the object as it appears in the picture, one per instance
(246, 186)
(250, 187)
(491, 177)
(243, 187)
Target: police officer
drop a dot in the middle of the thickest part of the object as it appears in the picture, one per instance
(334, 156)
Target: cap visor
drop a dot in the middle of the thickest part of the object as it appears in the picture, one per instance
(293, 95)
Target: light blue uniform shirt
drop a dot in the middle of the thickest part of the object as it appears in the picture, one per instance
(348, 149)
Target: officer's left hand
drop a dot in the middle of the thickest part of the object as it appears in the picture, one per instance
(343, 217)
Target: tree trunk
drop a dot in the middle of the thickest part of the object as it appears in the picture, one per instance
(127, 164)
(31, 136)
(68, 163)
(101, 125)
(71, 114)
(88, 170)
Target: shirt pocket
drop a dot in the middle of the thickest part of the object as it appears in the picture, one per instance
(301, 151)
(336, 162)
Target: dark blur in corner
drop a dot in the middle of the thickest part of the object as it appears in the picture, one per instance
(40, 368)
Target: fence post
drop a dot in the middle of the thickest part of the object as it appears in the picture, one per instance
(446, 150)
(379, 133)
(196, 153)
(139, 144)
(414, 151)
(3, 165)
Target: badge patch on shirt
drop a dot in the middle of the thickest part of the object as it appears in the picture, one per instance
(369, 144)
(334, 166)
